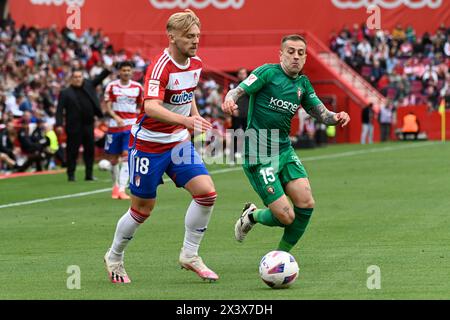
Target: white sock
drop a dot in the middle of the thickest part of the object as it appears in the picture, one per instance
(123, 176)
(196, 222)
(115, 174)
(126, 227)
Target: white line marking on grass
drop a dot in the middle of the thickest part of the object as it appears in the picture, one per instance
(327, 156)
(81, 194)
(367, 151)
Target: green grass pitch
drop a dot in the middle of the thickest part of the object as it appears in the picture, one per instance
(386, 205)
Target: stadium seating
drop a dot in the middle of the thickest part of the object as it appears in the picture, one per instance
(399, 58)
(35, 73)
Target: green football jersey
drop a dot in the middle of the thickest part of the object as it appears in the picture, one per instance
(274, 100)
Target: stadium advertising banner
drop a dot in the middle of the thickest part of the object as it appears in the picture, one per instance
(234, 16)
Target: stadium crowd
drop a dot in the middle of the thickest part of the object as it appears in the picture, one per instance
(407, 68)
(36, 65)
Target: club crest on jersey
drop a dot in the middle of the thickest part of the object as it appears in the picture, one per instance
(299, 93)
(270, 190)
(137, 180)
(182, 98)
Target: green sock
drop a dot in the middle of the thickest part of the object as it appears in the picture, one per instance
(293, 232)
(266, 217)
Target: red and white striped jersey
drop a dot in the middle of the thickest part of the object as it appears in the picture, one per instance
(174, 85)
(125, 101)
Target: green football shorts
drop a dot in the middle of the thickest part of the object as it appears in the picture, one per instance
(269, 179)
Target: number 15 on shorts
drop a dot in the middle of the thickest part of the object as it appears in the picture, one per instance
(268, 175)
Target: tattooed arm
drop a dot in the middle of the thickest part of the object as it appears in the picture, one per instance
(229, 105)
(322, 114)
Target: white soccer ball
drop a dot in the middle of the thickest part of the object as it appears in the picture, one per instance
(104, 165)
(278, 269)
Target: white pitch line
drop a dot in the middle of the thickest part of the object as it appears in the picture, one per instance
(373, 150)
(329, 156)
(81, 194)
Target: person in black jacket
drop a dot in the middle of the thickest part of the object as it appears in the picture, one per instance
(79, 104)
(34, 150)
(239, 117)
(367, 116)
(6, 146)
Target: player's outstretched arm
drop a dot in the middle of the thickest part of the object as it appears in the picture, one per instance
(155, 110)
(322, 114)
(229, 105)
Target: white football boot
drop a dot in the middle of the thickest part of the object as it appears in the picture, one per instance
(116, 270)
(197, 265)
(243, 224)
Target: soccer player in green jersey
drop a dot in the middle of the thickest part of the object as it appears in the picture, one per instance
(276, 92)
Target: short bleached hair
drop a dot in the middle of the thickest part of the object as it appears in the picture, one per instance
(292, 37)
(182, 21)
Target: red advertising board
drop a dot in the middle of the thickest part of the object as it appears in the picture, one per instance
(320, 17)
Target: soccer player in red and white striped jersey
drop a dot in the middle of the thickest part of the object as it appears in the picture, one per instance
(160, 143)
(123, 99)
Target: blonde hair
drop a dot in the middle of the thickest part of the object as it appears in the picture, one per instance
(182, 21)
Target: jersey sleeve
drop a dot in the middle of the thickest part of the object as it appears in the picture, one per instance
(256, 80)
(139, 98)
(309, 98)
(109, 96)
(155, 84)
